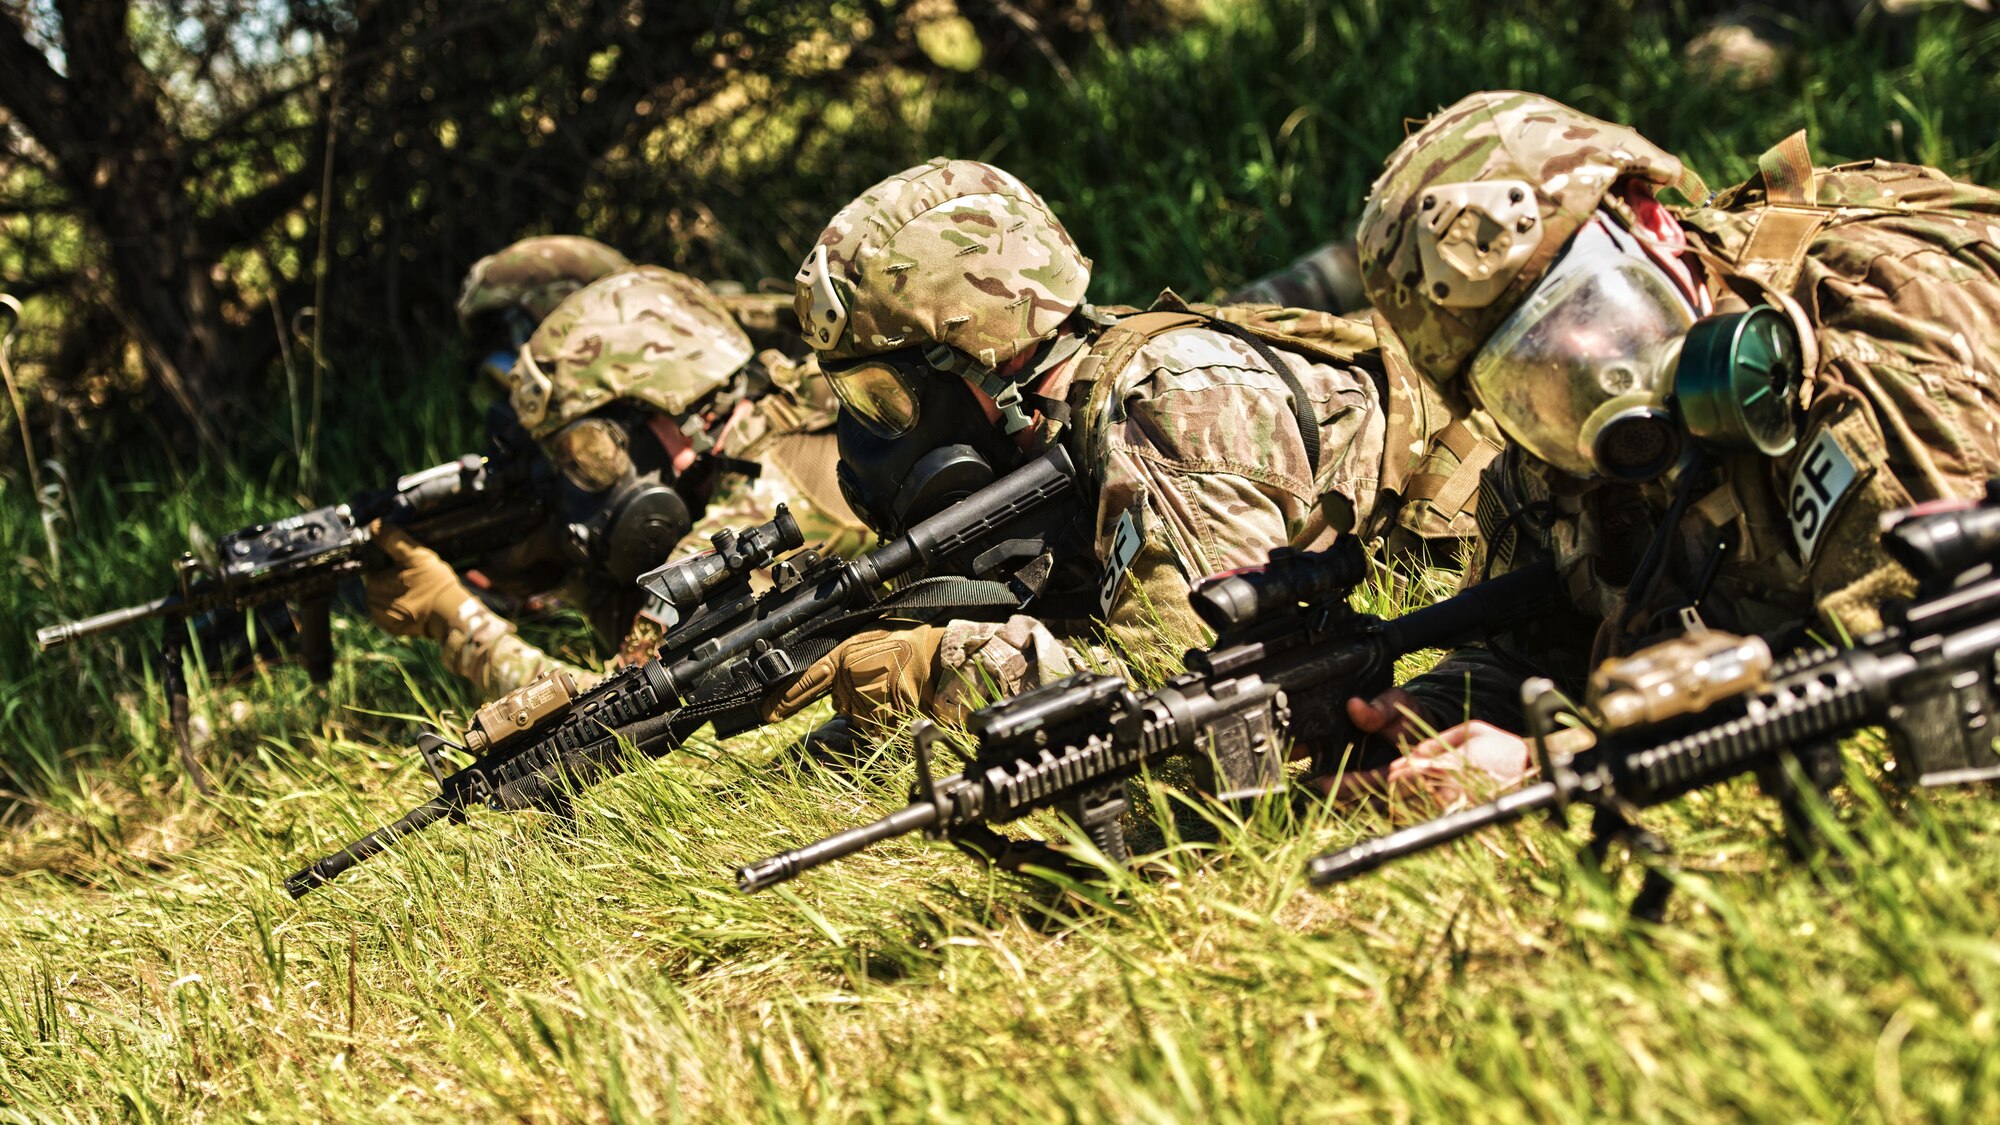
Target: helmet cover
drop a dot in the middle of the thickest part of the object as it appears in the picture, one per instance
(648, 336)
(952, 252)
(1472, 209)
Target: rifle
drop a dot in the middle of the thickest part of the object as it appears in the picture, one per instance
(733, 650)
(1699, 710)
(1289, 653)
(460, 509)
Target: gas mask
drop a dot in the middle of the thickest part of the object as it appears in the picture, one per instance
(616, 503)
(912, 442)
(1604, 371)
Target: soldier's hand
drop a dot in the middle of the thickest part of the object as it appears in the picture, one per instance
(1391, 716)
(417, 593)
(1474, 759)
(873, 676)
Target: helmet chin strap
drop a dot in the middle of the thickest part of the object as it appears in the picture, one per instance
(1016, 409)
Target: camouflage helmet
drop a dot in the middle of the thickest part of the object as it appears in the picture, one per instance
(534, 275)
(951, 252)
(645, 335)
(1474, 208)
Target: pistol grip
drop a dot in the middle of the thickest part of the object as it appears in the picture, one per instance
(316, 637)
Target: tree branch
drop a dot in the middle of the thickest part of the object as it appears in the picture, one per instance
(32, 91)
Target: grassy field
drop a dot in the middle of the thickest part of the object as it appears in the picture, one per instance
(152, 968)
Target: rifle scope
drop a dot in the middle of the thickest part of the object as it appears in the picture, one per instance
(1237, 598)
(683, 584)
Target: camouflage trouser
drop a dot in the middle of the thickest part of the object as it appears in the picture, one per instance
(508, 663)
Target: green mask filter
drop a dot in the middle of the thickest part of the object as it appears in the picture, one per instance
(1737, 380)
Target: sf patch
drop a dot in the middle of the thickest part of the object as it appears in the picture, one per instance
(1822, 478)
(1125, 544)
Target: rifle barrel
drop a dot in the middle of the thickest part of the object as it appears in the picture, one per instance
(1366, 856)
(62, 633)
(303, 882)
(785, 866)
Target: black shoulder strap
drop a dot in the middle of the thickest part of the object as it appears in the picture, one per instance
(927, 601)
(1302, 412)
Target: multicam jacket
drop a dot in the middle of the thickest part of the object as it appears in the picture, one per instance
(1198, 463)
(1894, 270)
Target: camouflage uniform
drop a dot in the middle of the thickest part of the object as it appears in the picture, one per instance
(1434, 496)
(1891, 272)
(1187, 436)
(655, 339)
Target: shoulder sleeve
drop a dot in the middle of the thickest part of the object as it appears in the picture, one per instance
(1836, 488)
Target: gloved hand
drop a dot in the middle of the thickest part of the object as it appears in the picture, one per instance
(871, 675)
(945, 671)
(417, 594)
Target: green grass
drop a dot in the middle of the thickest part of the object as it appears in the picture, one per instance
(151, 966)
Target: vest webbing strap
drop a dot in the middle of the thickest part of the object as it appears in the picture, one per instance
(1301, 405)
(1454, 492)
(1461, 488)
(1791, 216)
(1788, 171)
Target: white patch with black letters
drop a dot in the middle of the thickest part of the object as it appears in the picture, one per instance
(1822, 477)
(1125, 544)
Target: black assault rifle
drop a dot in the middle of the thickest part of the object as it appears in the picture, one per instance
(460, 509)
(1699, 710)
(1290, 651)
(735, 649)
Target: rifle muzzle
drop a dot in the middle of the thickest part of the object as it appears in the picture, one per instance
(303, 882)
(1366, 856)
(786, 866)
(62, 633)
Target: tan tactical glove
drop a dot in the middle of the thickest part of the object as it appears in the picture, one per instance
(944, 671)
(419, 595)
(871, 676)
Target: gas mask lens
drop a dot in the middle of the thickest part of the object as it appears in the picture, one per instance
(591, 453)
(882, 392)
(1579, 375)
